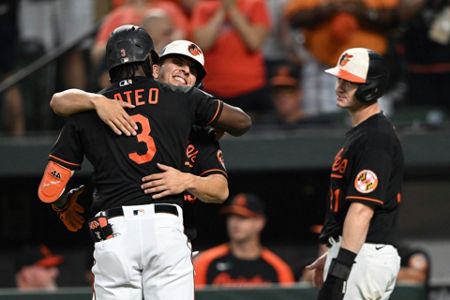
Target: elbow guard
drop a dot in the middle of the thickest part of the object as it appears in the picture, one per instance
(53, 182)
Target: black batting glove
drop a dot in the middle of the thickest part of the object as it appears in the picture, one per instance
(335, 284)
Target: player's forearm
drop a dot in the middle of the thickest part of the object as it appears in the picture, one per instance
(209, 189)
(356, 226)
(233, 120)
(72, 101)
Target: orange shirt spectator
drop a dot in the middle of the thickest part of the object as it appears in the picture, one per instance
(233, 54)
(129, 14)
(134, 13)
(126, 14)
(342, 24)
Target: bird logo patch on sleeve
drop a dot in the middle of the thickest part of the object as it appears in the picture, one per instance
(366, 181)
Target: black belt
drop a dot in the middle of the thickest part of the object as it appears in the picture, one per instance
(159, 208)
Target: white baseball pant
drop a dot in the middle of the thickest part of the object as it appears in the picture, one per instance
(373, 274)
(148, 257)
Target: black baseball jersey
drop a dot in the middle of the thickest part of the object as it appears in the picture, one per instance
(203, 154)
(203, 157)
(218, 266)
(164, 114)
(368, 169)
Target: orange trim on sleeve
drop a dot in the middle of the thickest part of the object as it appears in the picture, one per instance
(364, 198)
(203, 261)
(285, 275)
(217, 113)
(53, 182)
(64, 161)
(216, 171)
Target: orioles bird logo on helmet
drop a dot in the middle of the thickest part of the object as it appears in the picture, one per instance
(345, 59)
(194, 50)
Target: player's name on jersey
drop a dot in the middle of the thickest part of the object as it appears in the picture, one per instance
(139, 97)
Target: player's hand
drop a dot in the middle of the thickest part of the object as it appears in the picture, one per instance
(70, 212)
(317, 266)
(114, 115)
(169, 182)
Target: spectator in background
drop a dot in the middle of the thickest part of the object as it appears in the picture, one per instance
(136, 12)
(415, 266)
(55, 23)
(232, 33)
(426, 45)
(329, 28)
(160, 27)
(243, 261)
(13, 112)
(280, 48)
(187, 6)
(37, 268)
(287, 98)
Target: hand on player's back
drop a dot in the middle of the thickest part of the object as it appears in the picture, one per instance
(114, 115)
(169, 182)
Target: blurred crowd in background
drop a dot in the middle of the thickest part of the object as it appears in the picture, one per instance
(265, 56)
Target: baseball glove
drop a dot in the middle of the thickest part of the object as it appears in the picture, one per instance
(69, 211)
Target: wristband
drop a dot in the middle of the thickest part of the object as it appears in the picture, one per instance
(346, 257)
(341, 266)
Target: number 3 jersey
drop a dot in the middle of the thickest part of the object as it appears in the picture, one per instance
(368, 169)
(164, 116)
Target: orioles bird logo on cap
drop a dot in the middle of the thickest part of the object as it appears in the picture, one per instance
(194, 50)
(345, 59)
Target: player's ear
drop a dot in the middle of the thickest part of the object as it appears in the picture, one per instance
(155, 70)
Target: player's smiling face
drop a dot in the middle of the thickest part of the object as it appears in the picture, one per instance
(177, 71)
(345, 92)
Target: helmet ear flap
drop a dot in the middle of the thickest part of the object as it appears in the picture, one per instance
(371, 91)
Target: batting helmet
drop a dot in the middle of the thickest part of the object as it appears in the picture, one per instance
(129, 44)
(366, 68)
(187, 49)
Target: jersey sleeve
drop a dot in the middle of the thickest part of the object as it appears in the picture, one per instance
(369, 180)
(206, 108)
(67, 151)
(209, 157)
